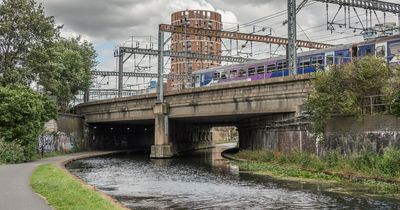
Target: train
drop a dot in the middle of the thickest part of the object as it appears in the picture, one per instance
(387, 48)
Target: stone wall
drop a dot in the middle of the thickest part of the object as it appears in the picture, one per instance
(350, 135)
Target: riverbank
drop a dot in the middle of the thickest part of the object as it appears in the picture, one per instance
(15, 182)
(64, 191)
(366, 171)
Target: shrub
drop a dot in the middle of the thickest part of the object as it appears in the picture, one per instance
(23, 113)
(390, 162)
(11, 152)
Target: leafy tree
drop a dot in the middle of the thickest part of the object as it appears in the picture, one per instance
(23, 113)
(23, 27)
(64, 69)
(341, 90)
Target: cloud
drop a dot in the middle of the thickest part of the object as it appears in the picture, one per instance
(119, 19)
(114, 21)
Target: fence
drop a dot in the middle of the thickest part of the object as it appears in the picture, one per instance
(375, 104)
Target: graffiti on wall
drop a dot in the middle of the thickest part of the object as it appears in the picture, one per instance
(57, 142)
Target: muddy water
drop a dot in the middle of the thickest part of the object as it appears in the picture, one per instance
(204, 180)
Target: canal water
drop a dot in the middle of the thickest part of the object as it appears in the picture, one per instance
(204, 180)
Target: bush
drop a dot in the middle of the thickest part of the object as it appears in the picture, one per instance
(23, 113)
(390, 162)
(394, 103)
(11, 152)
(341, 90)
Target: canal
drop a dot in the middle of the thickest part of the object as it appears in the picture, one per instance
(204, 180)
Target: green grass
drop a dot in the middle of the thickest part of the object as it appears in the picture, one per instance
(381, 172)
(63, 192)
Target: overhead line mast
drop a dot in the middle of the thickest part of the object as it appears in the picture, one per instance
(292, 11)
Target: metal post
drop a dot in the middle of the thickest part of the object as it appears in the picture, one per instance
(398, 22)
(160, 83)
(292, 51)
(120, 72)
(86, 96)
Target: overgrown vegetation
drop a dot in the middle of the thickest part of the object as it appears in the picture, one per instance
(22, 115)
(381, 171)
(32, 52)
(341, 90)
(63, 192)
(368, 164)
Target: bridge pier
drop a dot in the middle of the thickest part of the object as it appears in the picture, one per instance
(162, 146)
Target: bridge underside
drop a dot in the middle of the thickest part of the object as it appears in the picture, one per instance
(279, 132)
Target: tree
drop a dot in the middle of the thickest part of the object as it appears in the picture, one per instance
(341, 90)
(23, 27)
(23, 113)
(65, 68)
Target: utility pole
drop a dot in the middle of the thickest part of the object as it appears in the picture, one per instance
(160, 83)
(120, 72)
(291, 47)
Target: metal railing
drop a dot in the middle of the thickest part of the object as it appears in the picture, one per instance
(375, 104)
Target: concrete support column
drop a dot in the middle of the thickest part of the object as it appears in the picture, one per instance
(162, 146)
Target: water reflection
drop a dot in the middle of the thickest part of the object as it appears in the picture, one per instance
(204, 180)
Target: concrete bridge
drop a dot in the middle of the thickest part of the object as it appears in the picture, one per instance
(184, 119)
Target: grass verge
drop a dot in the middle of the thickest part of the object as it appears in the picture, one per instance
(380, 172)
(63, 192)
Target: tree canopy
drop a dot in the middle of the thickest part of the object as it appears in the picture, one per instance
(31, 49)
(23, 27)
(64, 68)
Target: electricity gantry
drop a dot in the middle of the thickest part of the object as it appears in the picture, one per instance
(291, 43)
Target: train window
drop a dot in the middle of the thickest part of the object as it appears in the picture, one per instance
(242, 73)
(314, 61)
(260, 70)
(339, 58)
(320, 60)
(354, 51)
(329, 60)
(317, 61)
(368, 51)
(305, 62)
(271, 67)
(216, 76)
(233, 74)
(281, 65)
(251, 71)
(223, 75)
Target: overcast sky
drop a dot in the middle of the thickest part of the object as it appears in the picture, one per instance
(110, 23)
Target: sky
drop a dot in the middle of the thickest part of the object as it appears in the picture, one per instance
(112, 23)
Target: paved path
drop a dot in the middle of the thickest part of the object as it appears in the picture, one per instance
(15, 191)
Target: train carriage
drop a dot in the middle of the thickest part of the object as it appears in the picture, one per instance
(387, 48)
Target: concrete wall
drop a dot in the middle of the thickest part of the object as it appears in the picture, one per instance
(63, 135)
(350, 135)
(282, 132)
